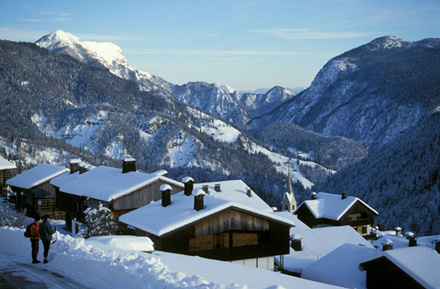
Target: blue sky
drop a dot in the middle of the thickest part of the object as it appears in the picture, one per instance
(246, 44)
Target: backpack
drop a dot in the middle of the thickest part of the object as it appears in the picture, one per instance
(27, 233)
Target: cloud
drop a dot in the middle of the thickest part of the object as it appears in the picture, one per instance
(312, 34)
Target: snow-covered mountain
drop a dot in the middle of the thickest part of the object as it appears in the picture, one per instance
(101, 54)
(218, 100)
(89, 108)
(370, 94)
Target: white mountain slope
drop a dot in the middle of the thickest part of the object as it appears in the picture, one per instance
(104, 54)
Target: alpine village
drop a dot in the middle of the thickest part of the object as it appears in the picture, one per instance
(109, 151)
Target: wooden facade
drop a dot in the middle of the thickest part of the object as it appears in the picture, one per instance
(384, 274)
(231, 234)
(28, 199)
(6, 175)
(74, 205)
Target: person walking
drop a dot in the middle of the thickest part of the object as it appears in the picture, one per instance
(35, 239)
(46, 232)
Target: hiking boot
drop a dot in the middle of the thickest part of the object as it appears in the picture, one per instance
(45, 262)
(36, 261)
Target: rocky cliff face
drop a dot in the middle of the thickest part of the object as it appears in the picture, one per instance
(370, 94)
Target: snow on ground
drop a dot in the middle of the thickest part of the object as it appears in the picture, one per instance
(183, 154)
(220, 131)
(108, 263)
(120, 262)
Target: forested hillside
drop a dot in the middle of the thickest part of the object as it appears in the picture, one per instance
(401, 180)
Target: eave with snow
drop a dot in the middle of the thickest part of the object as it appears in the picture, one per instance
(119, 190)
(33, 189)
(232, 224)
(326, 209)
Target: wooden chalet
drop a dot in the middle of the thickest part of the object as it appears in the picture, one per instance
(224, 221)
(411, 267)
(119, 190)
(337, 210)
(33, 190)
(7, 171)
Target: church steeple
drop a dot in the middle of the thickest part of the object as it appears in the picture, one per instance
(289, 201)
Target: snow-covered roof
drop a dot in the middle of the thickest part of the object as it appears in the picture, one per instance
(403, 242)
(299, 225)
(420, 262)
(36, 176)
(159, 220)
(105, 183)
(317, 243)
(340, 267)
(332, 206)
(6, 165)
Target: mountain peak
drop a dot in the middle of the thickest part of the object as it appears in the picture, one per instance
(387, 42)
(62, 42)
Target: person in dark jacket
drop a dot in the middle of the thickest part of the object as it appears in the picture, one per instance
(35, 239)
(46, 232)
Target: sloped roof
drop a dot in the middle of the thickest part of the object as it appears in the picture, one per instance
(317, 243)
(159, 220)
(340, 267)
(420, 262)
(332, 206)
(67, 176)
(6, 165)
(36, 176)
(106, 183)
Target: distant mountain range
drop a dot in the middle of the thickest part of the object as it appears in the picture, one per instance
(218, 100)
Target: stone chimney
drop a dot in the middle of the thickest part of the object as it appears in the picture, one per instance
(128, 165)
(437, 246)
(189, 185)
(344, 196)
(166, 194)
(313, 197)
(199, 199)
(412, 242)
(295, 243)
(387, 244)
(74, 165)
(217, 188)
(398, 231)
(249, 192)
(205, 188)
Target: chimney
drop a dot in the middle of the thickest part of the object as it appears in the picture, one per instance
(387, 245)
(83, 169)
(412, 242)
(437, 246)
(295, 243)
(249, 192)
(74, 165)
(409, 235)
(189, 185)
(313, 196)
(217, 188)
(128, 165)
(398, 231)
(166, 194)
(205, 188)
(198, 199)
(344, 195)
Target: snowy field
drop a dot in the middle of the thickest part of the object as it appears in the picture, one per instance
(119, 262)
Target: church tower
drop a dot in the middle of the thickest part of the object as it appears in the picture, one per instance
(289, 201)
